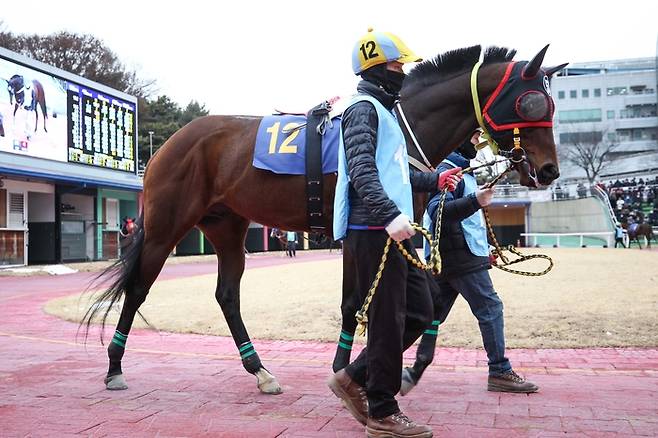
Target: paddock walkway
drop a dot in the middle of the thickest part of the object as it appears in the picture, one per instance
(193, 386)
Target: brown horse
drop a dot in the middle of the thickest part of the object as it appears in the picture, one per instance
(203, 177)
(635, 231)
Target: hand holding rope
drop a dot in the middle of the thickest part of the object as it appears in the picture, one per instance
(498, 250)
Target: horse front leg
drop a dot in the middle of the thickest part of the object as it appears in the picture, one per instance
(227, 237)
(424, 357)
(443, 298)
(348, 306)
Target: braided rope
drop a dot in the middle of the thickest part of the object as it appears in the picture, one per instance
(499, 250)
(434, 264)
(522, 258)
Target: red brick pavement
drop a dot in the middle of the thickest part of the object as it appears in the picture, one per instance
(189, 385)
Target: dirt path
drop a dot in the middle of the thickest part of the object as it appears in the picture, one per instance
(593, 297)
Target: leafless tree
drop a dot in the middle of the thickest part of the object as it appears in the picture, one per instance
(589, 150)
(81, 54)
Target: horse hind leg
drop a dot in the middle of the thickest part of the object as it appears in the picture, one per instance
(138, 283)
(227, 235)
(154, 239)
(42, 104)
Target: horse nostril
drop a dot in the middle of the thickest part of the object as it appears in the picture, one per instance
(548, 173)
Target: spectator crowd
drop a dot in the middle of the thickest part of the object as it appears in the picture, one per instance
(634, 200)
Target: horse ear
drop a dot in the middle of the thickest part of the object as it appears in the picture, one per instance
(532, 68)
(550, 71)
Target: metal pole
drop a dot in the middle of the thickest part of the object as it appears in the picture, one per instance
(150, 144)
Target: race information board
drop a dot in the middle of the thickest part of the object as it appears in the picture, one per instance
(101, 129)
(52, 117)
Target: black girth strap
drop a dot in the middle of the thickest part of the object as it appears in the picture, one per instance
(315, 121)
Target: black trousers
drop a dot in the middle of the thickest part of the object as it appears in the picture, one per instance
(398, 314)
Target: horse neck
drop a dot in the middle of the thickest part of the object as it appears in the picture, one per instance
(442, 115)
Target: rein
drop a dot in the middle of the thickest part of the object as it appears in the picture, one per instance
(425, 166)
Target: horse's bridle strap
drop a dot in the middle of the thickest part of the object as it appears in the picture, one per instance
(478, 115)
(427, 167)
(478, 111)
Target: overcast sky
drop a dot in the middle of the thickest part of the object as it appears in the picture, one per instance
(248, 57)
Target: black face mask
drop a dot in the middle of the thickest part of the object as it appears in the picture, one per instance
(389, 80)
(395, 80)
(467, 149)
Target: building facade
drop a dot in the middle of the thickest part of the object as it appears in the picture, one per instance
(613, 104)
(68, 164)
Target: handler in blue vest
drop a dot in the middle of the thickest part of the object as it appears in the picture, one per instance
(465, 268)
(373, 201)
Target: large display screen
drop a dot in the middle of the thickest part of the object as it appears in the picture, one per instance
(46, 116)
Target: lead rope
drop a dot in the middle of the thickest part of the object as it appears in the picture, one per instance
(434, 264)
(499, 251)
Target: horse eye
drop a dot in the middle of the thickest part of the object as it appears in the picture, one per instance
(532, 106)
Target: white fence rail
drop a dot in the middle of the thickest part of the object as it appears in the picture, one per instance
(608, 236)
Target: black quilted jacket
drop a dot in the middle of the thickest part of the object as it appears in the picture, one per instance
(369, 204)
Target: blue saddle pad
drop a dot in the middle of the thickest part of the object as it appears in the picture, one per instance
(632, 228)
(281, 149)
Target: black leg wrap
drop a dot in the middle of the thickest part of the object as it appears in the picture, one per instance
(424, 357)
(115, 353)
(342, 359)
(426, 349)
(252, 363)
(344, 349)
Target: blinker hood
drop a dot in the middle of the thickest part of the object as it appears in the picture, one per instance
(519, 101)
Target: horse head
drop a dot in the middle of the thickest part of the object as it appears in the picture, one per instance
(16, 88)
(442, 98)
(518, 120)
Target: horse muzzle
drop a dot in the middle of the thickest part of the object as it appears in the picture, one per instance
(528, 176)
(548, 173)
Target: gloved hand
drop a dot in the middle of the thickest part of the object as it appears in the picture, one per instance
(493, 258)
(484, 196)
(400, 228)
(449, 179)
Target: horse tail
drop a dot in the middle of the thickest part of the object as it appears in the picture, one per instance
(122, 274)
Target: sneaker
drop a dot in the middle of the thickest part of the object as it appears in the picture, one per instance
(351, 394)
(397, 425)
(510, 382)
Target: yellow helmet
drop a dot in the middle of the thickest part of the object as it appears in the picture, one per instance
(379, 48)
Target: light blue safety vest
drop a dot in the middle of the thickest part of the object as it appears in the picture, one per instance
(473, 227)
(392, 166)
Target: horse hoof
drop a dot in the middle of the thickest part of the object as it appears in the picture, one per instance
(116, 383)
(406, 383)
(267, 383)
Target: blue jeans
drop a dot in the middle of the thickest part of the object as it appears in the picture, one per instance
(477, 289)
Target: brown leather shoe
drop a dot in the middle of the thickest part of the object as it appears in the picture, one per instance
(352, 395)
(510, 382)
(397, 426)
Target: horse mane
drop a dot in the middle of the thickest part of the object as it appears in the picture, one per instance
(446, 65)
